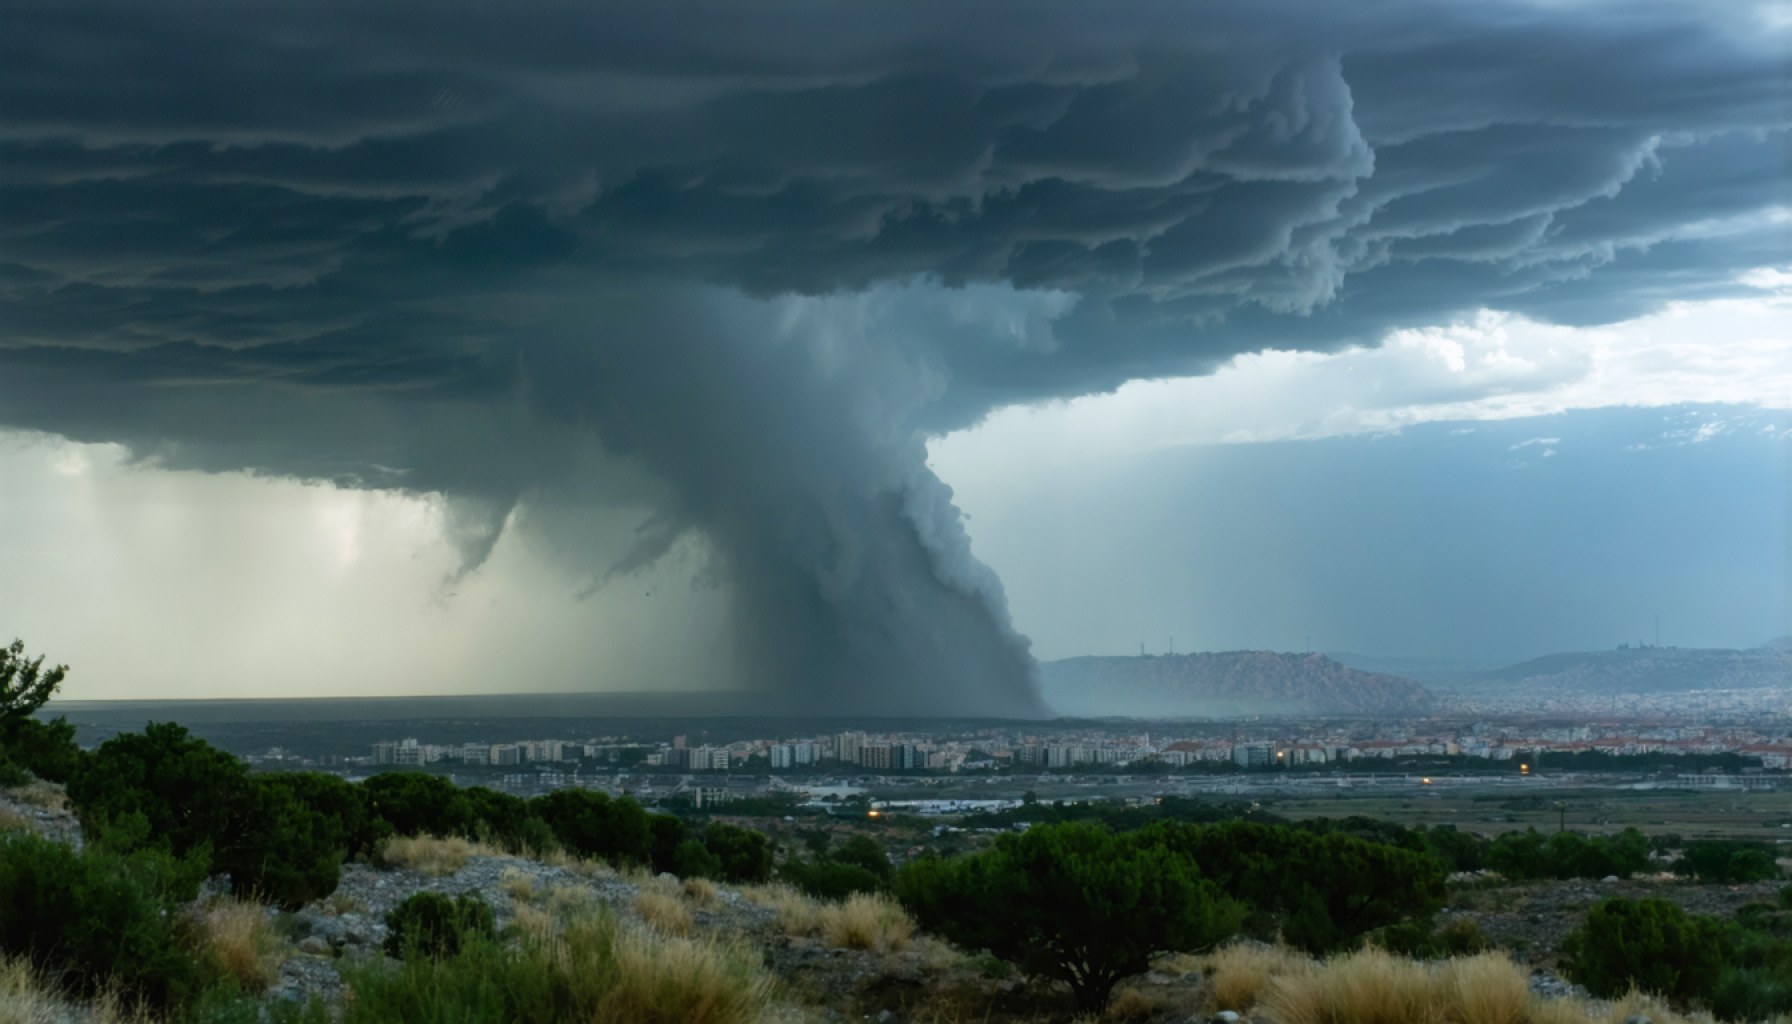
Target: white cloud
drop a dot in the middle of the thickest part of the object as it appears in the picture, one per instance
(1489, 366)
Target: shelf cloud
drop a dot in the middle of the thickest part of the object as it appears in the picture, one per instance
(730, 267)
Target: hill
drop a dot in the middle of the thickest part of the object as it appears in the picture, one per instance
(1647, 670)
(1224, 685)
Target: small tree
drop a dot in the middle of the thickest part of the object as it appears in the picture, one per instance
(45, 749)
(24, 685)
(1072, 902)
(1650, 944)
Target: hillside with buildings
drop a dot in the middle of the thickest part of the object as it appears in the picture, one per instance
(1648, 669)
(1224, 685)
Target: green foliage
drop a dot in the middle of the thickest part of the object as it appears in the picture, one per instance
(1071, 902)
(341, 807)
(1751, 994)
(166, 789)
(1786, 897)
(416, 803)
(499, 818)
(593, 825)
(432, 926)
(1320, 892)
(1727, 861)
(1422, 939)
(694, 860)
(741, 855)
(1651, 944)
(190, 794)
(96, 920)
(24, 684)
(1528, 855)
(283, 851)
(829, 879)
(666, 835)
(45, 749)
(867, 854)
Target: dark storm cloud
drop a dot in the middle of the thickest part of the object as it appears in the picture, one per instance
(484, 251)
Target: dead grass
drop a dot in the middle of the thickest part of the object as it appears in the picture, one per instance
(517, 885)
(586, 867)
(1239, 975)
(38, 793)
(338, 903)
(13, 821)
(1487, 988)
(1367, 987)
(663, 912)
(1152, 1004)
(237, 937)
(24, 999)
(700, 891)
(432, 855)
(867, 921)
(684, 981)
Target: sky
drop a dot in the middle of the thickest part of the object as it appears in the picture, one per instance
(864, 360)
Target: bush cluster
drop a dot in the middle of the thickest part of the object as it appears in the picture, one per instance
(98, 920)
(430, 925)
(1741, 969)
(1727, 861)
(859, 865)
(1528, 855)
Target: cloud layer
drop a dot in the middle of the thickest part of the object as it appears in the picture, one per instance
(729, 267)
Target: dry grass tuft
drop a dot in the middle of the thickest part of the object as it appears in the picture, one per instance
(533, 923)
(338, 903)
(798, 914)
(662, 912)
(1641, 1004)
(1137, 1004)
(517, 885)
(24, 999)
(586, 867)
(238, 939)
(432, 855)
(1239, 975)
(1367, 987)
(663, 980)
(38, 793)
(700, 891)
(13, 821)
(867, 921)
(1486, 988)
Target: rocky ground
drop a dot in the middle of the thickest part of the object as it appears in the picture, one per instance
(924, 982)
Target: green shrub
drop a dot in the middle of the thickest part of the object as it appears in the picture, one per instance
(1650, 944)
(166, 789)
(97, 920)
(498, 818)
(666, 833)
(742, 855)
(593, 825)
(1786, 897)
(1321, 893)
(868, 854)
(1528, 855)
(1727, 862)
(694, 860)
(341, 807)
(829, 879)
(45, 749)
(432, 926)
(415, 803)
(1423, 940)
(191, 795)
(1751, 994)
(1071, 902)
